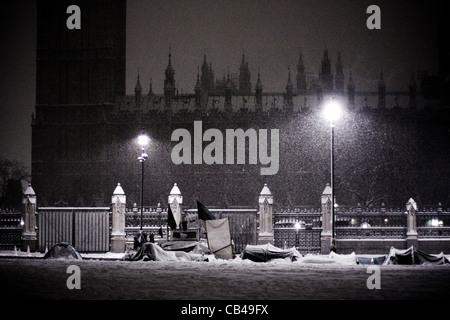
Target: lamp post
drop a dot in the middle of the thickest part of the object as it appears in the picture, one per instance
(142, 140)
(332, 111)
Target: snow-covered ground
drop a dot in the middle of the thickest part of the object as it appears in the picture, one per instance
(312, 277)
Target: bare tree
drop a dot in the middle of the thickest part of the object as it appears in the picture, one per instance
(370, 192)
(11, 173)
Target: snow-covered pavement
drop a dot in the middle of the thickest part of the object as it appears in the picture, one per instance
(314, 278)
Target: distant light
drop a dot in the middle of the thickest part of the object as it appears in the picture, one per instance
(365, 225)
(297, 226)
(22, 223)
(332, 110)
(143, 140)
(435, 222)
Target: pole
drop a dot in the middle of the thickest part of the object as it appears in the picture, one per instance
(333, 240)
(142, 187)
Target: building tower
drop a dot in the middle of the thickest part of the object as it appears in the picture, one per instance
(302, 87)
(228, 87)
(169, 84)
(150, 89)
(258, 93)
(212, 86)
(325, 76)
(339, 77)
(138, 93)
(289, 102)
(79, 74)
(207, 78)
(198, 92)
(245, 85)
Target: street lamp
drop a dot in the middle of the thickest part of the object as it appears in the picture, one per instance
(142, 140)
(332, 112)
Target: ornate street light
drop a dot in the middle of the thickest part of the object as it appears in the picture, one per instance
(332, 112)
(142, 140)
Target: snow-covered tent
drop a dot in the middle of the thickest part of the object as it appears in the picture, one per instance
(414, 256)
(153, 252)
(267, 252)
(63, 250)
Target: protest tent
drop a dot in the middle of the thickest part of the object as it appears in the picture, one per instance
(63, 250)
(150, 251)
(378, 260)
(412, 256)
(267, 252)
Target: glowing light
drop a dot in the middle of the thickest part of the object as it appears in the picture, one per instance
(143, 140)
(332, 110)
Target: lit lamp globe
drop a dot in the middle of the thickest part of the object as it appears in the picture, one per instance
(332, 110)
(143, 140)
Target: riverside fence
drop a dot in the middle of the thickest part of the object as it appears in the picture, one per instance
(103, 229)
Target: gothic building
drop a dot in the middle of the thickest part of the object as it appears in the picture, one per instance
(302, 94)
(84, 126)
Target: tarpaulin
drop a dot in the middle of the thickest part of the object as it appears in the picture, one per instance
(63, 250)
(267, 252)
(153, 252)
(414, 256)
(219, 238)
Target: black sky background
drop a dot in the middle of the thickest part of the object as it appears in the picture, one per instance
(270, 33)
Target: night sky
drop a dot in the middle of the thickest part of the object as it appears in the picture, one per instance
(270, 33)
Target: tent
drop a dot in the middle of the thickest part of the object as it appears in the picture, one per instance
(219, 238)
(332, 258)
(347, 259)
(413, 256)
(153, 252)
(267, 252)
(63, 250)
(378, 260)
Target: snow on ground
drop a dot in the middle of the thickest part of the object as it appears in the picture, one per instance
(313, 277)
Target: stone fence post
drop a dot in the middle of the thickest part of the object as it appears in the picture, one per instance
(118, 234)
(176, 202)
(411, 222)
(29, 235)
(265, 234)
(326, 236)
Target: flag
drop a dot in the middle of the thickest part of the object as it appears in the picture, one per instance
(203, 212)
(171, 220)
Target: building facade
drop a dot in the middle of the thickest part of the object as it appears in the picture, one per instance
(84, 126)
